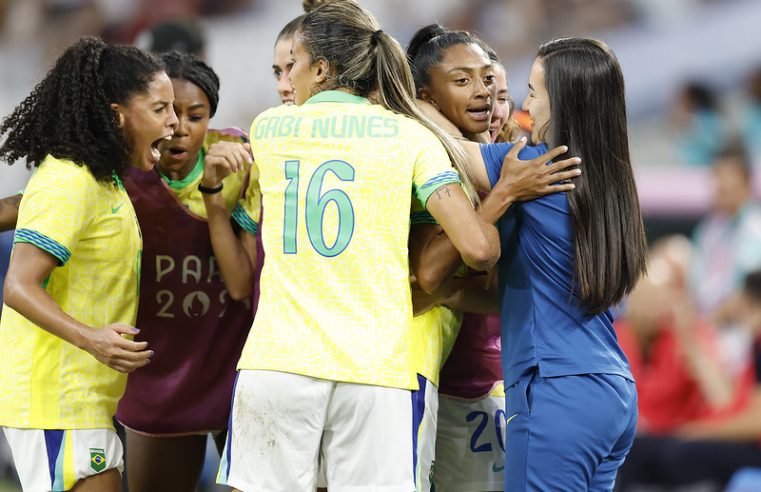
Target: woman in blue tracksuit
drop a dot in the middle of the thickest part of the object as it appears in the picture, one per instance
(566, 258)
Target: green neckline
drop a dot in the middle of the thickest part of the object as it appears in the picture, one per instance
(179, 184)
(118, 180)
(336, 96)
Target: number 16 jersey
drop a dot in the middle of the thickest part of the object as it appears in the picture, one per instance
(335, 177)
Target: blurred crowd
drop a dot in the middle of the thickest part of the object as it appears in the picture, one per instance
(692, 327)
(691, 330)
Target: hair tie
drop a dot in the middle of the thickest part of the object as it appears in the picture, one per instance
(375, 36)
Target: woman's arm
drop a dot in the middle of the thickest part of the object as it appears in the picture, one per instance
(526, 179)
(476, 240)
(473, 294)
(743, 426)
(23, 292)
(715, 383)
(433, 257)
(235, 254)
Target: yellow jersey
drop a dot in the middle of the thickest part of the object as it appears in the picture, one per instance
(335, 177)
(435, 330)
(92, 230)
(435, 333)
(187, 192)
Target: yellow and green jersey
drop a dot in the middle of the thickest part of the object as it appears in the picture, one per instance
(435, 333)
(91, 229)
(436, 330)
(187, 192)
(335, 177)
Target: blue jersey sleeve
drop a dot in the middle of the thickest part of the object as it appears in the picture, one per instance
(494, 155)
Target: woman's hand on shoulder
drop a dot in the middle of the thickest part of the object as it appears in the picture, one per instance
(223, 159)
(529, 179)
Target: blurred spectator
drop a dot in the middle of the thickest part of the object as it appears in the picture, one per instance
(515, 28)
(708, 451)
(727, 241)
(751, 118)
(675, 357)
(701, 129)
(183, 35)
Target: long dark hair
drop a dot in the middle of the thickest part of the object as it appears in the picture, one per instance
(69, 115)
(588, 114)
(369, 62)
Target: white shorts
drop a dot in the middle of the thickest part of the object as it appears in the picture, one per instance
(470, 443)
(424, 416)
(57, 459)
(281, 422)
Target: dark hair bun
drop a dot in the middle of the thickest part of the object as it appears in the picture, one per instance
(421, 37)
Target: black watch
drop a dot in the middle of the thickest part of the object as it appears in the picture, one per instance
(210, 191)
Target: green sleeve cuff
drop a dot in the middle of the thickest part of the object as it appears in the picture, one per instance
(424, 192)
(245, 221)
(43, 242)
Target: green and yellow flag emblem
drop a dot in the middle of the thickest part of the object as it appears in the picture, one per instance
(97, 459)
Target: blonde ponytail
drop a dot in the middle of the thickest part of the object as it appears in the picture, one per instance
(371, 63)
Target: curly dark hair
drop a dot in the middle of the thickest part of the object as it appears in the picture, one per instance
(185, 66)
(68, 115)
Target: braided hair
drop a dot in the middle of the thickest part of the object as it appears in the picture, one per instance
(69, 115)
(185, 66)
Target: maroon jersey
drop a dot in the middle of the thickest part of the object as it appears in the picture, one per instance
(187, 317)
(474, 364)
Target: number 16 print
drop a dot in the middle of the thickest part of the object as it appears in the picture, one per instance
(316, 203)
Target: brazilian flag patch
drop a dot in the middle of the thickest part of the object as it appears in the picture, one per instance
(97, 459)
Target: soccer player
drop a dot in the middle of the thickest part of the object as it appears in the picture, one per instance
(455, 71)
(72, 284)
(281, 60)
(196, 290)
(328, 362)
(566, 260)
(502, 127)
(455, 74)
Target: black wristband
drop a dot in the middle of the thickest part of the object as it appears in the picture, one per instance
(210, 191)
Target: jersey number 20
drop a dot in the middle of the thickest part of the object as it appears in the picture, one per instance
(316, 203)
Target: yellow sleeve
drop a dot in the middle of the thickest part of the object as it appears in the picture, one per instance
(246, 212)
(418, 213)
(433, 168)
(54, 209)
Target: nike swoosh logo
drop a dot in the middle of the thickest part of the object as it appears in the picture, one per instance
(495, 468)
(116, 208)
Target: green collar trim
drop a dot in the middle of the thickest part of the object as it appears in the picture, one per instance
(180, 184)
(336, 96)
(118, 180)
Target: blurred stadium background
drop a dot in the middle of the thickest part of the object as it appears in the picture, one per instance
(664, 48)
